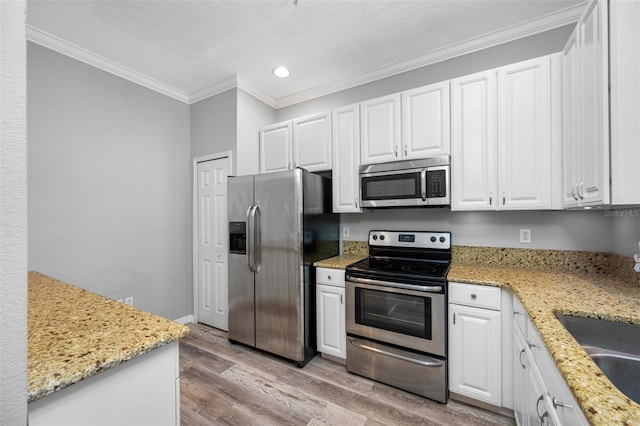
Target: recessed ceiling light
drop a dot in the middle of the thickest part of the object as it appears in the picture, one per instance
(281, 72)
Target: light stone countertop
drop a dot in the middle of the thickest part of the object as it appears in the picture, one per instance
(595, 285)
(75, 334)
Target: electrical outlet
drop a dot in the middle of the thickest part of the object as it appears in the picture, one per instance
(525, 236)
(345, 232)
(128, 300)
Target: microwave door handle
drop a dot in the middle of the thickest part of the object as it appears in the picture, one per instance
(423, 184)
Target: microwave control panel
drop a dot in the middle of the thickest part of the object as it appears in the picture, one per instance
(436, 184)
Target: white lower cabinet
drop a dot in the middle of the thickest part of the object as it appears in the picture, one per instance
(541, 395)
(475, 346)
(330, 312)
(142, 391)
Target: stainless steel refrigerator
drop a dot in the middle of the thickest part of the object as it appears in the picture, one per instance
(279, 224)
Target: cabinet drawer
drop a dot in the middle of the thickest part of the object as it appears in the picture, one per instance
(475, 295)
(328, 276)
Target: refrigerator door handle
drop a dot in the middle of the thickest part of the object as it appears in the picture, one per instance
(251, 238)
(256, 239)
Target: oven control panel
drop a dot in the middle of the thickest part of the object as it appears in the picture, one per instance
(417, 239)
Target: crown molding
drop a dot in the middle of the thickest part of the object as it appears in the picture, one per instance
(59, 45)
(532, 27)
(231, 83)
(535, 26)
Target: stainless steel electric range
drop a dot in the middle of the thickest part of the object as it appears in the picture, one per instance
(397, 311)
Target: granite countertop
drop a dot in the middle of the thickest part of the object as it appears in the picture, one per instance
(339, 262)
(75, 334)
(588, 284)
(583, 294)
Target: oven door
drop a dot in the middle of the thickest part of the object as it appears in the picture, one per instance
(393, 188)
(407, 318)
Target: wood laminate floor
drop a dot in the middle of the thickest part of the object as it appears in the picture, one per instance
(231, 384)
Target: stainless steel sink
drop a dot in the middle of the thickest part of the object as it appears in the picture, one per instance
(613, 346)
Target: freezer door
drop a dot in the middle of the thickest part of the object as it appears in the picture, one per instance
(279, 287)
(241, 278)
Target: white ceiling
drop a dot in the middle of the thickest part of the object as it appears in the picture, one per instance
(193, 49)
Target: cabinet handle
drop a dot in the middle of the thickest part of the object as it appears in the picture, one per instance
(328, 277)
(532, 345)
(573, 192)
(473, 296)
(341, 302)
(405, 151)
(289, 166)
(546, 414)
(396, 151)
(557, 403)
(540, 398)
(520, 358)
(454, 319)
(516, 313)
(490, 198)
(503, 199)
(356, 202)
(581, 190)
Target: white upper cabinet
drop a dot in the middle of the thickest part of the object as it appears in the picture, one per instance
(304, 142)
(503, 129)
(473, 141)
(425, 121)
(624, 58)
(570, 127)
(276, 150)
(586, 109)
(312, 142)
(524, 135)
(346, 159)
(380, 129)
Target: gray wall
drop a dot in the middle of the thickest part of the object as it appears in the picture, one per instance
(13, 215)
(560, 230)
(109, 184)
(252, 115)
(213, 123)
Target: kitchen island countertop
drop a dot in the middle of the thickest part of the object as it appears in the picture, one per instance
(74, 334)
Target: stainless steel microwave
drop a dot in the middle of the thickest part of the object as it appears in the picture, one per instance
(408, 183)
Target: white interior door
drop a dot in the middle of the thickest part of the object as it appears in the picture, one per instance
(212, 245)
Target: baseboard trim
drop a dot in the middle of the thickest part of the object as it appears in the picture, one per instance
(185, 320)
(485, 405)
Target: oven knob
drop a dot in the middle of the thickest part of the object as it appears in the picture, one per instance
(375, 237)
(433, 239)
(442, 239)
(381, 237)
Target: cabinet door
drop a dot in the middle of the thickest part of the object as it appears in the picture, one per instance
(380, 129)
(345, 124)
(475, 353)
(425, 121)
(332, 335)
(312, 142)
(520, 376)
(524, 139)
(473, 146)
(276, 152)
(593, 186)
(570, 127)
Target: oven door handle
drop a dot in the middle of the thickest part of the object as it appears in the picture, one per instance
(426, 288)
(357, 343)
